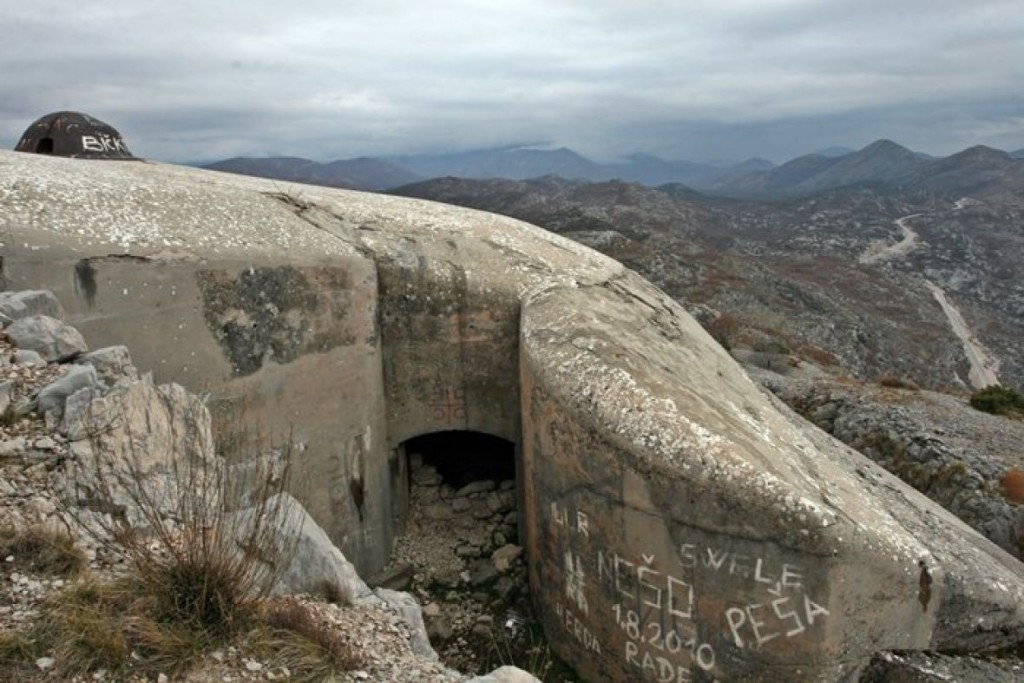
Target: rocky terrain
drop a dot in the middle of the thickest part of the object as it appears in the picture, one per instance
(966, 460)
(51, 385)
(792, 274)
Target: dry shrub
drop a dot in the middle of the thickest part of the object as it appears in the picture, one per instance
(897, 382)
(1012, 485)
(525, 648)
(206, 541)
(202, 562)
(998, 400)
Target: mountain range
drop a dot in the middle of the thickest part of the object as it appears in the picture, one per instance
(978, 169)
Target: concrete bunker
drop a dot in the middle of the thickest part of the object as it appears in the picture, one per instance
(676, 521)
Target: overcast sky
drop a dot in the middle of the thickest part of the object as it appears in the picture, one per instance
(683, 79)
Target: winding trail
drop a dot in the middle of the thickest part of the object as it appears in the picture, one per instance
(874, 254)
(984, 366)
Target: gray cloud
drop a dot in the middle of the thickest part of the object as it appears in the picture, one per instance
(695, 79)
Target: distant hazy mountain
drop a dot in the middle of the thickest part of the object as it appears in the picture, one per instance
(978, 171)
(783, 179)
(1017, 154)
(652, 170)
(834, 151)
(522, 163)
(516, 163)
(883, 163)
(363, 173)
(880, 162)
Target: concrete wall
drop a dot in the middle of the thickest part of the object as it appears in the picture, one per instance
(680, 524)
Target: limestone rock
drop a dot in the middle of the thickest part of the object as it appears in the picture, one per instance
(5, 395)
(316, 562)
(137, 436)
(955, 455)
(53, 339)
(111, 362)
(480, 486)
(504, 556)
(29, 358)
(25, 303)
(924, 667)
(53, 396)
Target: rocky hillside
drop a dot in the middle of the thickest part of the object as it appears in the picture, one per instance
(89, 446)
(832, 278)
(967, 460)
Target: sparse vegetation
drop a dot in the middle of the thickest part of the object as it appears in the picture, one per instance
(41, 550)
(205, 545)
(897, 382)
(998, 401)
(525, 648)
(296, 639)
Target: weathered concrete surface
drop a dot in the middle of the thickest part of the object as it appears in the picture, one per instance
(680, 525)
(222, 288)
(685, 502)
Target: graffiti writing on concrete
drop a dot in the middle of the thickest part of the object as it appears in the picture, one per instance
(449, 405)
(104, 143)
(577, 629)
(758, 599)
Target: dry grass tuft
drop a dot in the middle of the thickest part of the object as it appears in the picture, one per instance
(897, 382)
(295, 638)
(198, 536)
(42, 550)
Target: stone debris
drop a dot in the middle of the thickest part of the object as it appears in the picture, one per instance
(465, 578)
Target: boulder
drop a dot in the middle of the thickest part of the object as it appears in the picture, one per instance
(53, 396)
(17, 305)
(53, 339)
(505, 556)
(316, 563)
(111, 362)
(30, 358)
(139, 439)
(6, 389)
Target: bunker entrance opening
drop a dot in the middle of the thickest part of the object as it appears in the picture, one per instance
(459, 552)
(462, 458)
